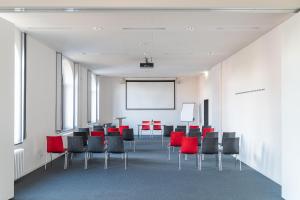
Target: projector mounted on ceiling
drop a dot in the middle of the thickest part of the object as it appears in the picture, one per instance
(147, 64)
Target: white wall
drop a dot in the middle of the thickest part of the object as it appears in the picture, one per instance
(40, 99)
(267, 121)
(6, 109)
(254, 116)
(291, 108)
(112, 102)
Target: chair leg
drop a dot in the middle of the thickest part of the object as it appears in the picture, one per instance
(51, 159)
(125, 155)
(196, 156)
(173, 149)
(200, 161)
(185, 157)
(202, 156)
(105, 163)
(46, 161)
(179, 161)
(134, 146)
(162, 140)
(220, 162)
(85, 160)
(240, 163)
(217, 160)
(169, 149)
(66, 160)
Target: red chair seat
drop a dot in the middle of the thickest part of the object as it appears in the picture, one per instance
(121, 128)
(193, 127)
(207, 130)
(189, 145)
(176, 138)
(98, 133)
(55, 144)
(112, 130)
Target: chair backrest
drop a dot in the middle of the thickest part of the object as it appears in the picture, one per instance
(84, 130)
(113, 134)
(231, 146)
(98, 128)
(128, 134)
(98, 133)
(75, 144)
(228, 135)
(189, 145)
(115, 144)
(111, 129)
(55, 144)
(197, 130)
(207, 130)
(121, 128)
(84, 136)
(180, 129)
(156, 125)
(176, 138)
(210, 146)
(96, 144)
(194, 127)
(145, 125)
(212, 135)
(168, 130)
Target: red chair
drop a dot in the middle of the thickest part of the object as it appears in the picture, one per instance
(113, 131)
(98, 133)
(145, 126)
(157, 126)
(175, 141)
(206, 130)
(193, 127)
(55, 145)
(121, 128)
(189, 145)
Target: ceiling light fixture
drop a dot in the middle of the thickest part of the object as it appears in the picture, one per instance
(190, 28)
(71, 10)
(97, 28)
(144, 28)
(19, 9)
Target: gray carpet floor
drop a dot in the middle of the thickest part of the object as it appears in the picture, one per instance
(150, 175)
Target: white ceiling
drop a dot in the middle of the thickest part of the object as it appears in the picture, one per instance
(155, 3)
(180, 42)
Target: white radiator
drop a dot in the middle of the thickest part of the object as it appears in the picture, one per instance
(19, 163)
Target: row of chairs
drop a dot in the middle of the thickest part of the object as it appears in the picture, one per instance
(85, 141)
(209, 145)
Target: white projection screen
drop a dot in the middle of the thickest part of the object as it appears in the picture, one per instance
(150, 94)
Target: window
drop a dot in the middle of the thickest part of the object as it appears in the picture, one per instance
(67, 94)
(20, 88)
(92, 97)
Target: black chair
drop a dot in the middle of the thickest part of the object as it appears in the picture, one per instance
(191, 131)
(95, 145)
(167, 133)
(84, 130)
(180, 129)
(98, 128)
(231, 146)
(227, 135)
(210, 147)
(75, 145)
(128, 135)
(196, 134)
(113, 134)
(84, 136)
(115, 146)
(212, 135)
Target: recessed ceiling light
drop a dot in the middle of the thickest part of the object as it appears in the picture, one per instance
(190, 28)
(97, 28)
(210, 53)
(144, 28)
(71, 10)
(19, 9)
